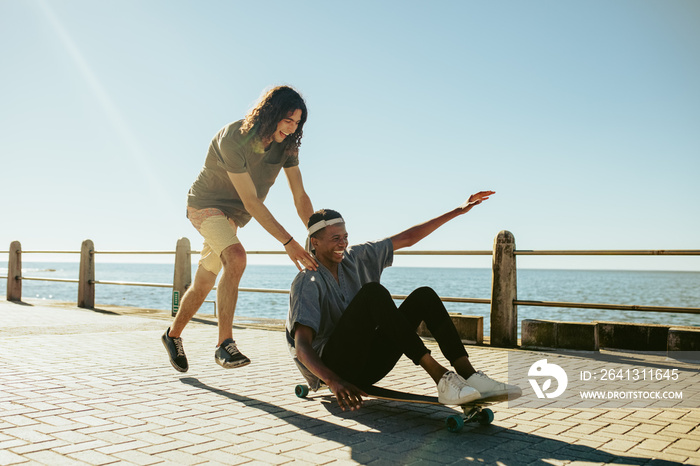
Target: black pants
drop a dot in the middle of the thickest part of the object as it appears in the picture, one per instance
(373, 333)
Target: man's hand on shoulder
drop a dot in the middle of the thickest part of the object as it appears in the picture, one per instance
(299, 256)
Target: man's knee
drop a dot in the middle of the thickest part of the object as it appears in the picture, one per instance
(425, 292)
(424, 303)
(234, 259)
(376, 289)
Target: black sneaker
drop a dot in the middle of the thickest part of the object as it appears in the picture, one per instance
(175, 351)
(228, 356)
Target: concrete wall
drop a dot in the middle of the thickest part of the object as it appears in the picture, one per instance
(637, 337)
(553, 334)
(611, 335)
(470, 328)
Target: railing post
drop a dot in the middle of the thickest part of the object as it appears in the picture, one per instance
(14, 272)
(183, 272)
(86, 277)
(504, 314)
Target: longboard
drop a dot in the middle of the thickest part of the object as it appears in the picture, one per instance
(474, 411)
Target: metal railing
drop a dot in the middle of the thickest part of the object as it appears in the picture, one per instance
(93, 282)
(599, 252)
(503, 299)
(397, 253)
(562, 304)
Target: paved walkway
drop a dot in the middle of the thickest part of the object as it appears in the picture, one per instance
(95, 387)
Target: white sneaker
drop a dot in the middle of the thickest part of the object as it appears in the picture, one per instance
(454, 390)
(492, 390)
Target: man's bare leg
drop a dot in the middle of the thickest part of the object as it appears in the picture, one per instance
(432, 367)
(464, 367)
(192, 300)
(234, 260)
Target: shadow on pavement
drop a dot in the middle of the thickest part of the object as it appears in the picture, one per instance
(402, 436)
(21, 303)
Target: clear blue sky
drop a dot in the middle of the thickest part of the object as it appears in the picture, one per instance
(583, 116)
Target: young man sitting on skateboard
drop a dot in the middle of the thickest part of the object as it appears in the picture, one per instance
(344, 329)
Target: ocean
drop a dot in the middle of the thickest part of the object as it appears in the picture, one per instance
(647, 288)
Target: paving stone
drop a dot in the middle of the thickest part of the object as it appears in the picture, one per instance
(224, 456)
(691, 458)
(29, 434)
(551, 429)
(146, 413)
(163, 447)
(53, 459)
(40, 446)
(263, 457)
(20, 421)
(82, 446)
(615, 430)
(677, 428)
(690, 445)
(93, 457)
(8, 458)
(11, 443)
(120, 447)
(137, 457)
(178, 457)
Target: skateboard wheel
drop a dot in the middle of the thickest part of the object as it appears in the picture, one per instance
(301, 391)
(485, 417)
(454, 423)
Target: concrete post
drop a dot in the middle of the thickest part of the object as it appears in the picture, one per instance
(86, 277)
(14, 272)
(504, 314)
(183, 272)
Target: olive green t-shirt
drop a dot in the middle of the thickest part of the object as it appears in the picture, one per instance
(235, 152)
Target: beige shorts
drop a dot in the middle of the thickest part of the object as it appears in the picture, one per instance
(219, 232)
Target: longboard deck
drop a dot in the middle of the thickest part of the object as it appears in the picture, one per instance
(474, 411)
(394, 395)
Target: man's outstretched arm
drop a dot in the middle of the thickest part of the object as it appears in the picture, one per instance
(416, 233)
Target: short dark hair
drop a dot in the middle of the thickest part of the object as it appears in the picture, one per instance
(323, 214)
(274, 106)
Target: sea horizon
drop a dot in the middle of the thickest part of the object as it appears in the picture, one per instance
(3, 268)
(663, 288)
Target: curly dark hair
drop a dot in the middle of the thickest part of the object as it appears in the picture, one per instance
(274, 106)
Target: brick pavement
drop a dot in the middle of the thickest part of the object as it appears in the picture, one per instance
(87, 387)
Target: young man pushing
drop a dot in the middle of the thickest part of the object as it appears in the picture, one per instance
(242, 163)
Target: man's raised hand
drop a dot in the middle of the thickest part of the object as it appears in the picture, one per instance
(475, 199)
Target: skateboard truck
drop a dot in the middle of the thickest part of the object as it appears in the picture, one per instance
(472, 413)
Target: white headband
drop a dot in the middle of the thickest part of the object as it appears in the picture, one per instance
(321, 224)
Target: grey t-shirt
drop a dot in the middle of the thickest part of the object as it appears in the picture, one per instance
(318, 301)
(235, 152)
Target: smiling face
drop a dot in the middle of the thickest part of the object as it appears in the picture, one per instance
(287, 126)
(330, 244)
